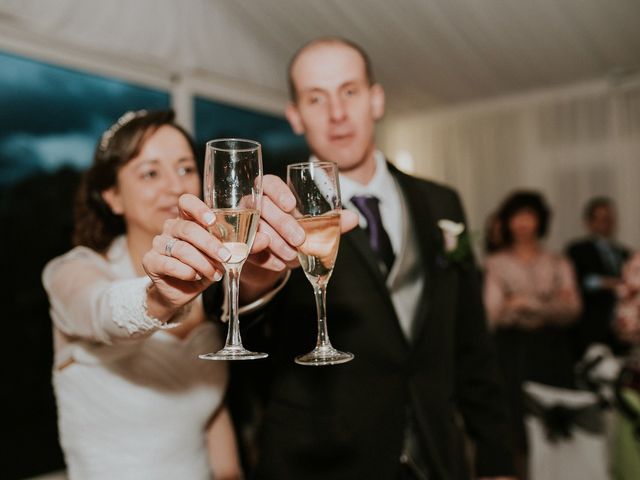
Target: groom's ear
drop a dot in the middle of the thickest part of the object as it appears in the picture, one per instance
(295, 120)
(377, 101)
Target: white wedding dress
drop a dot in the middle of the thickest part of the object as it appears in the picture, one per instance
(133, 400)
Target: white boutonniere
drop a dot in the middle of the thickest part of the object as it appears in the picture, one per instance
(451, 232)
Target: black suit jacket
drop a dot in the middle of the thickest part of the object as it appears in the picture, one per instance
(594, 325)
(347, 421)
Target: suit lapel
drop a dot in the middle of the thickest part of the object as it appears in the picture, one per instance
(428, 241)
(360, 241)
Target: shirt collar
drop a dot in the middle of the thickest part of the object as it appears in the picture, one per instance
(382, 181)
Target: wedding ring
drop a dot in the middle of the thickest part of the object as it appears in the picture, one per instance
(169, 245)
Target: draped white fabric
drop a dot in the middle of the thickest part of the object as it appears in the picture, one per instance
(182, 36)
(425, 53)
(570, 143)
(194, 46)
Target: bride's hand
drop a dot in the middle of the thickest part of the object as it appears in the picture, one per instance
(184, 260)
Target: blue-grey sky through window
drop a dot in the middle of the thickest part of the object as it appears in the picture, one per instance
(52, 116)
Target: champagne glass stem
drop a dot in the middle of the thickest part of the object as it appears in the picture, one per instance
(233, 285)
(320, 293)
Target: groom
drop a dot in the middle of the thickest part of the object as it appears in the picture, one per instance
(404, 299)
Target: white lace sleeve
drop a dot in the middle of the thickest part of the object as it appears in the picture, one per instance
(128, 302)
(89, 302)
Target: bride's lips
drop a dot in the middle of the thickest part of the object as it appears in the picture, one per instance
(172, 211)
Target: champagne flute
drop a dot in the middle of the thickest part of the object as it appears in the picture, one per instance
(317, 191)
(233, 190)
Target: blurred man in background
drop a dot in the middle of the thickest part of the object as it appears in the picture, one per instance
(598, 261)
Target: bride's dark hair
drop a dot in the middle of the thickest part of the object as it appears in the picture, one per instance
(95, 224)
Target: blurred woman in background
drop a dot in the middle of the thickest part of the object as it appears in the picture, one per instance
(531, 298)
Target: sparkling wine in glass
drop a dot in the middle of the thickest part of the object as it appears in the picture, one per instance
(317, 191)
(233, 190)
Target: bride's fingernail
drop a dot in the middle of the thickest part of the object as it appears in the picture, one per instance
(297, 235)
(217, 276)
(224, 254)
(209, 217)
(290, 254)
(198, 277)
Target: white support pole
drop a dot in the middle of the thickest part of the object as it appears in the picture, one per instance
(182, 99)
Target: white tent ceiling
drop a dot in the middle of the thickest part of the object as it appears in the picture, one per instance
(425, 52)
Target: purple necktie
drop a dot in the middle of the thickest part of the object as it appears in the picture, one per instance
(378, 237)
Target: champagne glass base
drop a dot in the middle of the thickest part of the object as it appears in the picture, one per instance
(324, 356)
(233, 353)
